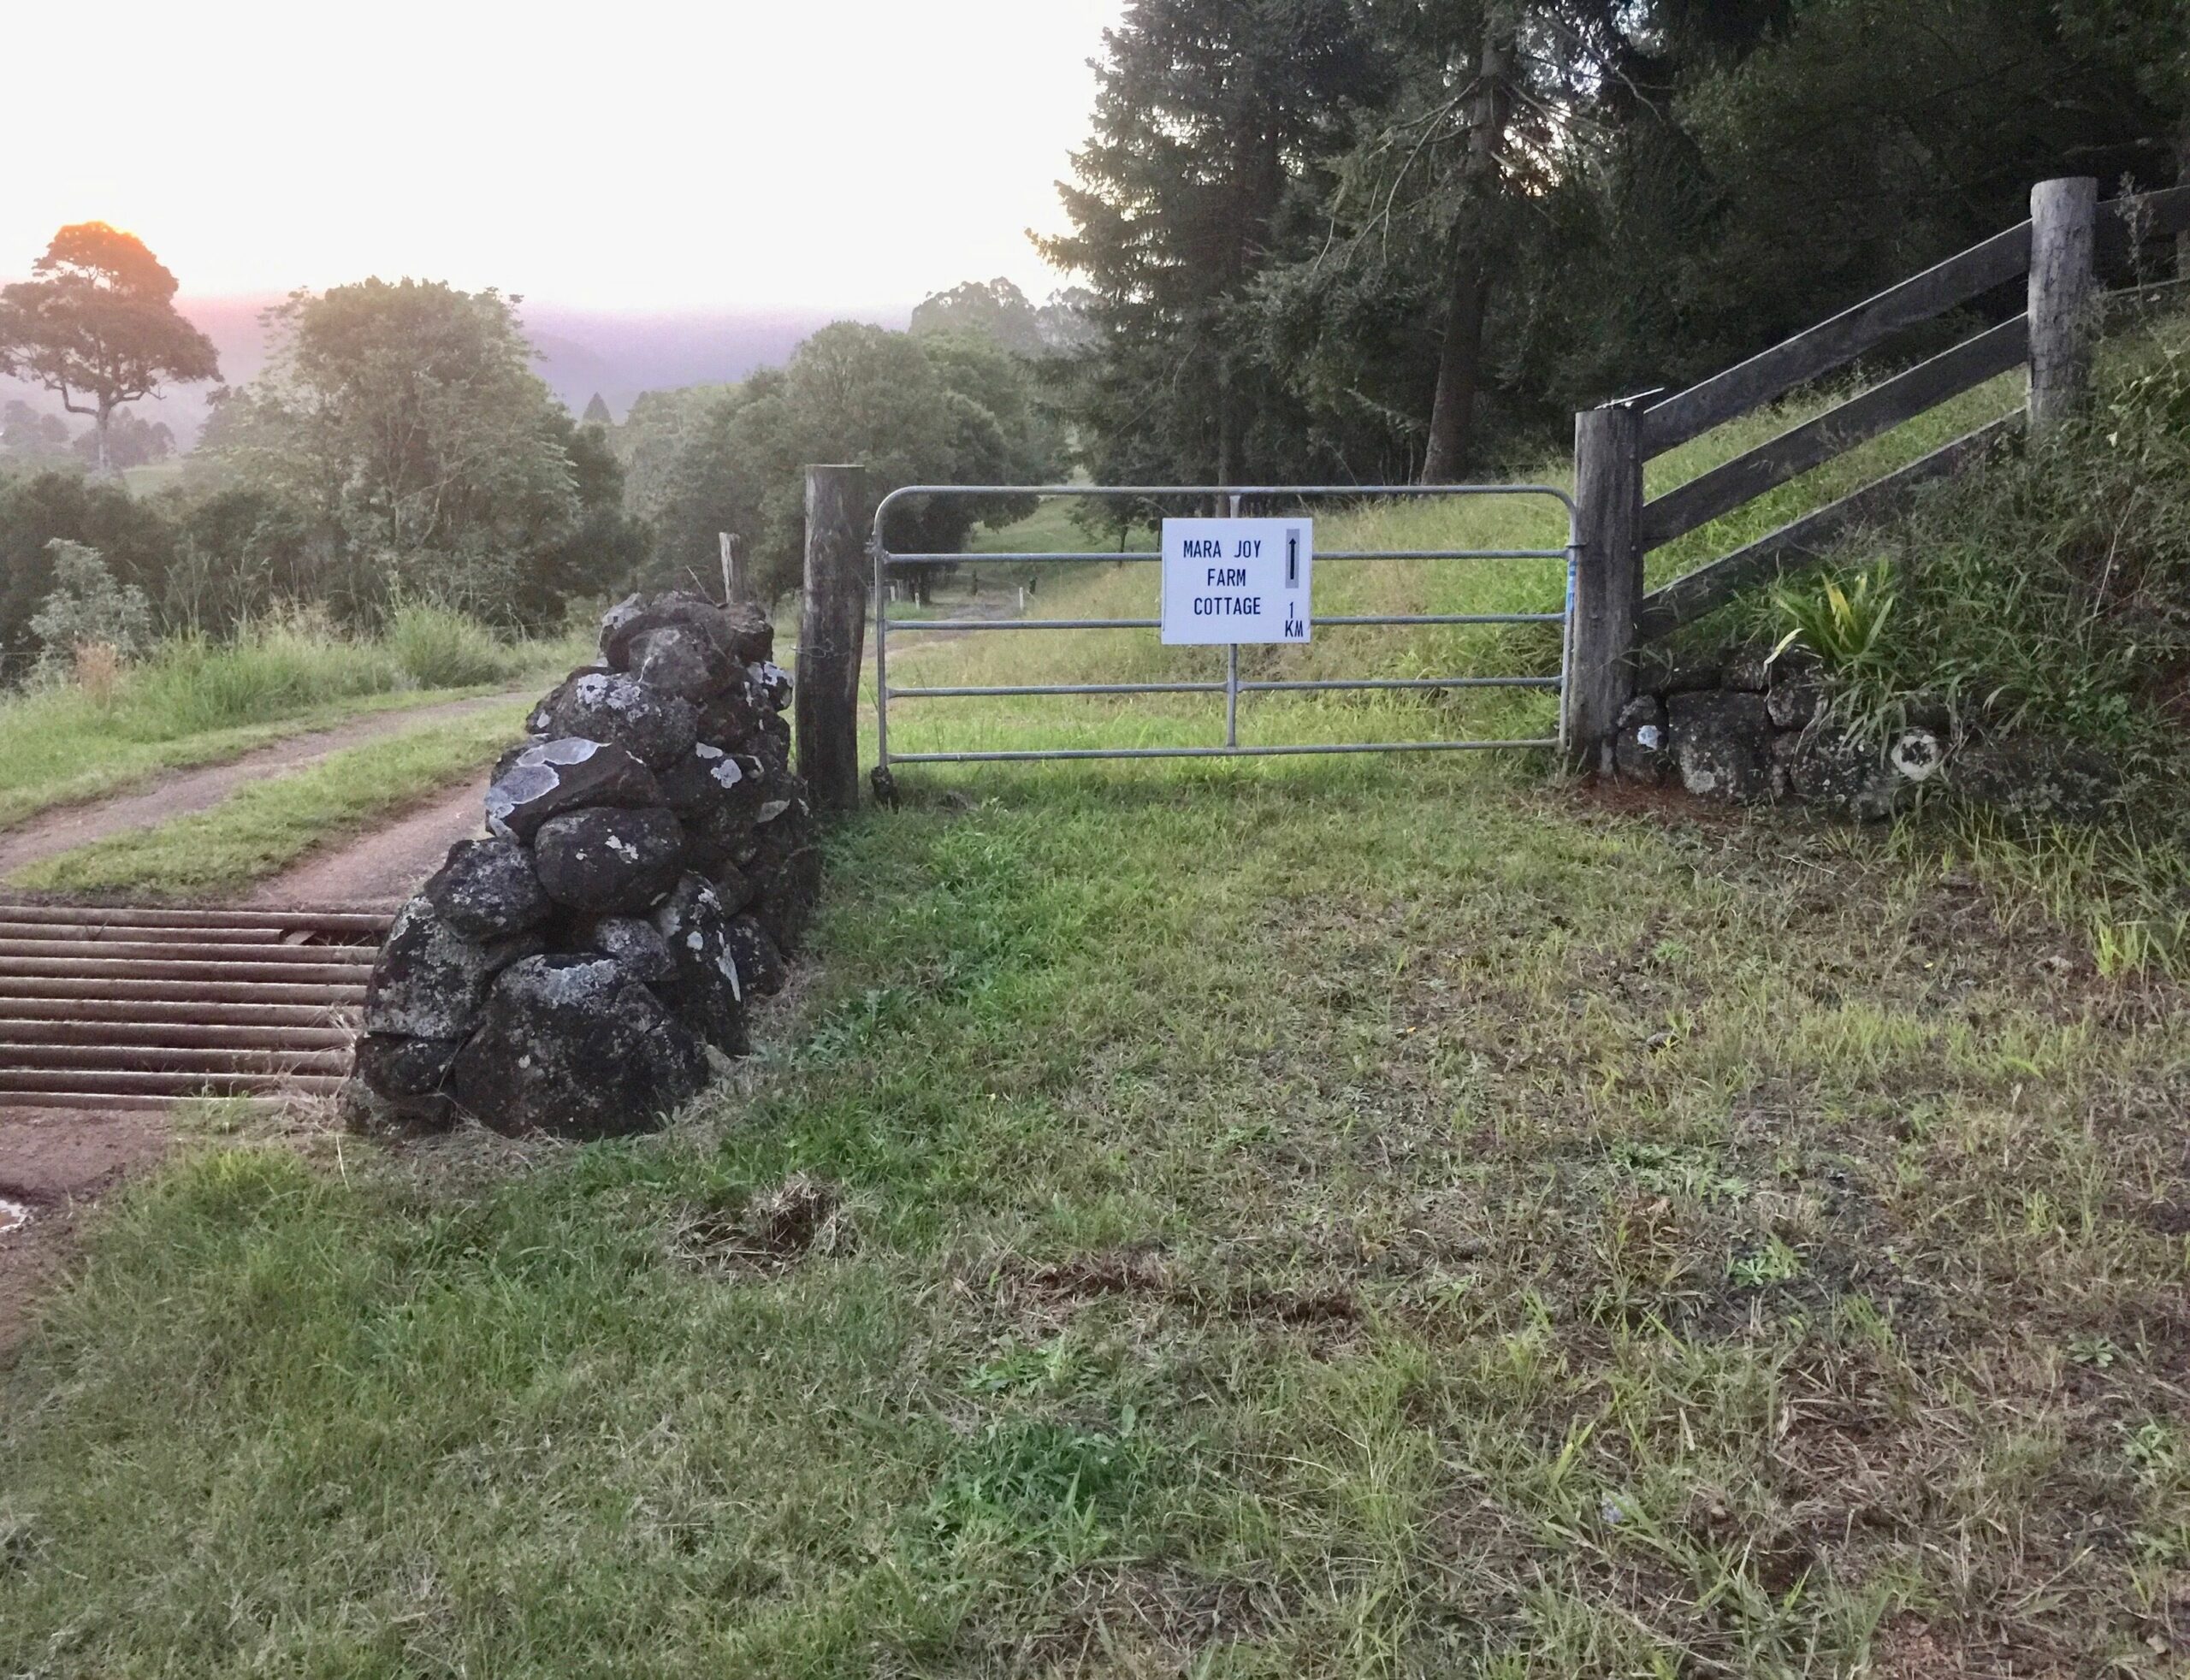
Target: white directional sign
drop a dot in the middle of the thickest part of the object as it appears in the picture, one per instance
(1237, 580)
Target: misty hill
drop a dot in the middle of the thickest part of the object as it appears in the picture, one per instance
(582, 350)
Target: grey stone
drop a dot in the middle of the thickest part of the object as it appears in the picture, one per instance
(760, 959)
(1662, 673)
(655, 726)
(404, 1069)
(551, 777)
(633, 941)
(1723, 744)
(1746, 671)
(1795, 698)
(742, 631)
(486, 889)
(705, 989)
(610, 862)
(1642, 747)
(785, 896)
(2023, 776)
(681, 660)
(1835, 772)
(579, 1047)
(429, 979)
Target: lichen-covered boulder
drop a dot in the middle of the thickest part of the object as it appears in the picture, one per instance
(1723, 744)
(1834, 772)
(633, 941)
(2025, 777)
(742, 631)
(486, 889)
(680, 659)
(705, 990)
(430, 980)
(551, 777)
(407, 1072)
(1641, 751)
(770, 686)
(608, 860)
(759, 960)
(655, 726)
(577, 1046)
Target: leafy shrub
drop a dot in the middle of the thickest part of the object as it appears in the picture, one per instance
(87, 609)
(437, 647)
(1843, 625)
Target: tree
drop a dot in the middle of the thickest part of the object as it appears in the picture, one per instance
(86, 608)
(995, 310)
(97, 325)
(135, 537)
(1214, 121)
(597, 413)
(27, 436)
(131, 442)
(406, 418)
(942, 408)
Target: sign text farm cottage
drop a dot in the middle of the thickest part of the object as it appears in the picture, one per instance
(1237, 580)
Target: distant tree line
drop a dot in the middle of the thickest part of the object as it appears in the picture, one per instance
(398, 446)
(1370, 239)
(954, 402)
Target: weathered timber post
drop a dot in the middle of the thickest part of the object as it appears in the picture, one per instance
(2063, 226)
(1607, 577)
(734, 586)
(831, 626)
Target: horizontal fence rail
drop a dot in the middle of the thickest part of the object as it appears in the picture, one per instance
(2068, 241)
(1233, 686)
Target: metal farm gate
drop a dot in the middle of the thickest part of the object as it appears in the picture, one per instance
(1230, 686)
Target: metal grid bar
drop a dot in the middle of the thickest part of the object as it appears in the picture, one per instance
(1221, 752)
(1139, 557)
(901, 626)
(1008, 690)
(1232, 688)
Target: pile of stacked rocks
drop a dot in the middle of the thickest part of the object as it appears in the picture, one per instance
(1745, 727)
(648, 867)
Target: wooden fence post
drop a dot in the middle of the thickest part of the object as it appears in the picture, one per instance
(2064, 227)
(1607, 578)
(832, 627)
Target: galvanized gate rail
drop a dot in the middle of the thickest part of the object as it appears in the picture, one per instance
(1231, 687)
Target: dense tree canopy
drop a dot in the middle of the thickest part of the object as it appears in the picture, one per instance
(405, 424)
(1371, 238)
(936, 408)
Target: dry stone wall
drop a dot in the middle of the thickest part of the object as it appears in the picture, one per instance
(649, 867)
(1744, 728)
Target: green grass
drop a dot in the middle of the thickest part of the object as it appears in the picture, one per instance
(1340, 1218)
(198, 703)
(1350, 1218)
(265, 826)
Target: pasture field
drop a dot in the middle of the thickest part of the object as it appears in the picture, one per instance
(1365, 1217)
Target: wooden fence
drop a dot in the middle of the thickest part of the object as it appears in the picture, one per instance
(2070, 239)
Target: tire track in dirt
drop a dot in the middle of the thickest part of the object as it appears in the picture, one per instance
(185, 792)
(379, 869)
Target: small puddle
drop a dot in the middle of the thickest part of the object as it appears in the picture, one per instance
(14, 1216)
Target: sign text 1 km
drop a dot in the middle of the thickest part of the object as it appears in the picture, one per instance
(1237, 580)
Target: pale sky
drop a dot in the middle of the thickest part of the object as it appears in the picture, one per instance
(620, 154)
